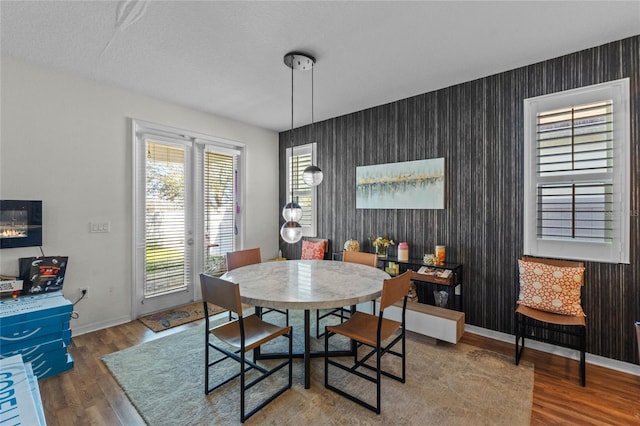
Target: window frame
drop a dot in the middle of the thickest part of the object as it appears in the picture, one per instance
(616, 251)
(310, 230)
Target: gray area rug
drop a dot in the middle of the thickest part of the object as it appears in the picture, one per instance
(446, 385)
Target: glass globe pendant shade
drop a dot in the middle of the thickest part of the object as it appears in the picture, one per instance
(292, 212)
(312, 176)
(291, 232)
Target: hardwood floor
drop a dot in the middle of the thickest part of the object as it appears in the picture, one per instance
(88, 394)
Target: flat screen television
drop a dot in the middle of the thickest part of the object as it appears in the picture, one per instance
(20, 223)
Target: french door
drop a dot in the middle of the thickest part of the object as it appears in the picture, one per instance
(186, 214)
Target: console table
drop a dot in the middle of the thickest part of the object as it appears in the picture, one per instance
(422, 316)
(444, 323)
(432, 279)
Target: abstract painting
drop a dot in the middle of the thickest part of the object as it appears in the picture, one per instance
(406, 185)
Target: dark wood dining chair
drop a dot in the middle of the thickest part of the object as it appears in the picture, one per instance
(375, 332)
(244, 334)
(369, 259)
(239, 258)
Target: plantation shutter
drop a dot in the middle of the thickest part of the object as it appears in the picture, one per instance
(575, 155)
(577, 173)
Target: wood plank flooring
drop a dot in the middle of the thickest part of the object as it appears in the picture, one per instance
(89, 395)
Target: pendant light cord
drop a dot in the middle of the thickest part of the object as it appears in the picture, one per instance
(291, 134)
(313, 128)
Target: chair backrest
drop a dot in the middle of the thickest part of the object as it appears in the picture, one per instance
(553, 262)
(566, 297)
(395, 289)
(236, 259)
(221, 293)
(370, 259)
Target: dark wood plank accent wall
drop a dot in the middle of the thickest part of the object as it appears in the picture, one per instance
(478, 127)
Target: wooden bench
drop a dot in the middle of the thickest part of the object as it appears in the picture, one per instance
(439, 323)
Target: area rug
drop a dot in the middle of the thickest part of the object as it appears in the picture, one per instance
(446, 385)
(177, 316)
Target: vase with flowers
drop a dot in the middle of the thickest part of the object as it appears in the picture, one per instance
(381, 244)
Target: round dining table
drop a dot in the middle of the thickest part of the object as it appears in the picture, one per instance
(306, 285)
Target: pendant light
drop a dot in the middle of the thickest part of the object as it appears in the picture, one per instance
(291, 231)
(312, 175)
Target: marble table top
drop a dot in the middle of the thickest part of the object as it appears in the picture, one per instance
(307, 284)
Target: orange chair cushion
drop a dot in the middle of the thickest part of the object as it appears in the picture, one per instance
(312, 250)
(551, 288)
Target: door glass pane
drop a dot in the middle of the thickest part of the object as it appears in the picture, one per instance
(220, 207)
(165, 266)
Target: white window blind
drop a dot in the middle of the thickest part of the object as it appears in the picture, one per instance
(166, 269)
(303, 157)
(576, 174)
(220, 206)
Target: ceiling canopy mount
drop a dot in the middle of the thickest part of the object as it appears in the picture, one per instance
(299, 61)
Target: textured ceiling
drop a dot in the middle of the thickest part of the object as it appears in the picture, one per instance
(227, 57)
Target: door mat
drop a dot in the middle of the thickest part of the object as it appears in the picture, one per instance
(164, 320)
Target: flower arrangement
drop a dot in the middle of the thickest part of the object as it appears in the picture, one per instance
(383, 241)
(381, 244)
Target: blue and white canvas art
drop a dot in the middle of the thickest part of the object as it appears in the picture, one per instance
(407, 185)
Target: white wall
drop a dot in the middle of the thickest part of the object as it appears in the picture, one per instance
(67, 142)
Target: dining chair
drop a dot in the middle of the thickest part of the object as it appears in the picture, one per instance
(375, 332)
(549, 307)
(369, 259)
(243, 335)
(239, 258)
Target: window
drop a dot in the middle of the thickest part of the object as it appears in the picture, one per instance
(303, 157)
(577, 174)
(221, 205)
(187, 211)
(166, 266)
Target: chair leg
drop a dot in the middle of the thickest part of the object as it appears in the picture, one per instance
(326, 358)
(583, 350)
(291, 358)
(404, 354)
(520, 334)
(242, 387)
(206, 361)
(378, 378)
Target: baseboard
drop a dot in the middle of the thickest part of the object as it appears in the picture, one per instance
(601, 361)
(77, 331)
